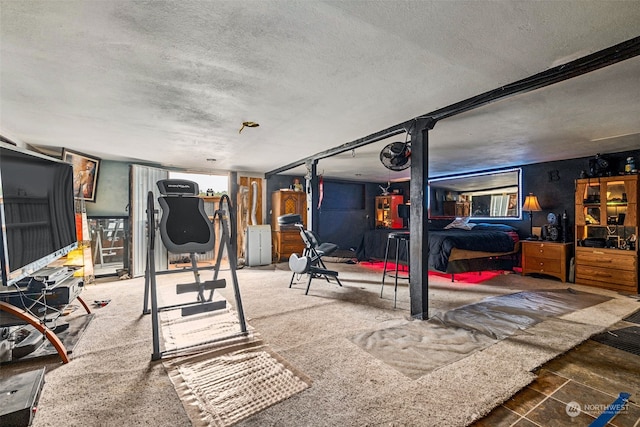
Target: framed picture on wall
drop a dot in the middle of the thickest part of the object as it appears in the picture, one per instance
(85, 174)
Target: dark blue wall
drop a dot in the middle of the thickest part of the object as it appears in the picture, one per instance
(344, 224)
(345, 212)
(554, 185)
(347, 209)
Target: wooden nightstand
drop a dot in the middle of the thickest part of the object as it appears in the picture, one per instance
(542, 257)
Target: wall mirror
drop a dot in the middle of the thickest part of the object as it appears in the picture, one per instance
(488, 195)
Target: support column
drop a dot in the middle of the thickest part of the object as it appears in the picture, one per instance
(419, 219)
(311, 189)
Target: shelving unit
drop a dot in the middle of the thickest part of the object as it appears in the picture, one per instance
(31, 311)
(606, 232)
(387, 211)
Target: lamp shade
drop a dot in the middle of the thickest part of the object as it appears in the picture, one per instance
(531, 204)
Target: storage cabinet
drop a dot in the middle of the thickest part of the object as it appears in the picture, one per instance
(548, 258)
(258, 245)
(287, 240)
(387, 211)
(606, 232)
(607, 268)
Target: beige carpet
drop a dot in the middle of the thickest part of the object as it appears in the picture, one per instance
(112, 381)
(352, 387)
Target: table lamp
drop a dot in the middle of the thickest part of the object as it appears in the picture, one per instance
(531, 205)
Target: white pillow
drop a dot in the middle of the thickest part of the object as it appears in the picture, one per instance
(460, 222)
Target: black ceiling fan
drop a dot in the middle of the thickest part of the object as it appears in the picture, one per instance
(396, 156)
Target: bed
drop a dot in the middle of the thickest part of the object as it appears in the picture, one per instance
(456, 249)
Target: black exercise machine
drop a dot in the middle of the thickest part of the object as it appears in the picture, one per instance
(186, 228)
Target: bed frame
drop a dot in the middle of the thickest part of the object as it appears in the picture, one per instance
(464, 261)
(460, 260)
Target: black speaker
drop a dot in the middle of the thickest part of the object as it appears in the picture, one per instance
(565, 227)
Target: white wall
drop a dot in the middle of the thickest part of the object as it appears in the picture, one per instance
(112, 196)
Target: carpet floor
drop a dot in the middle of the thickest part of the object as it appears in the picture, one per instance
(111, 379)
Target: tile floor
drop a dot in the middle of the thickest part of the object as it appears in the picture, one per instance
(591, 374)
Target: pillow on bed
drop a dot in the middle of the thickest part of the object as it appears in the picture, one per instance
(495, 227)
(460, 222)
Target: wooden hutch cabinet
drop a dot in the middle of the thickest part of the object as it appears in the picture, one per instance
(387, 211)
(287, 240)
(606, 232)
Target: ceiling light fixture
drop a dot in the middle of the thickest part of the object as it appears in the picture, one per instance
(211, 160)
(248, 125)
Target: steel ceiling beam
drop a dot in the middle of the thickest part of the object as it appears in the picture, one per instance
(595, 61)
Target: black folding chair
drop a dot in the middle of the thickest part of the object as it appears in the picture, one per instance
(310, 262)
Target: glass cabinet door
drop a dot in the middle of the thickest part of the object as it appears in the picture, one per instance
(592, 215)
(592, 194)
(616, 203)
(606, 211)
(591, 200)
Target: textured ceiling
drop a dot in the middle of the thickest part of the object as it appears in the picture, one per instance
(170, 83)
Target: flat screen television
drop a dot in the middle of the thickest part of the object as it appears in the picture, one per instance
(37, 212)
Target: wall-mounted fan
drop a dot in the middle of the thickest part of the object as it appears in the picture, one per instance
(396, 156)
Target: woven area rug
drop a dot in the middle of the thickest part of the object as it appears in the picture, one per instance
(198, 330)
(223, 386)
(222, 376)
